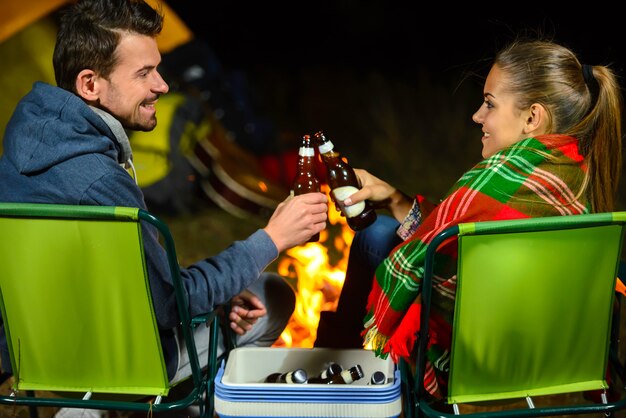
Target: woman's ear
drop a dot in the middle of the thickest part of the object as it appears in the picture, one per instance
(537, 120)
(87, 86)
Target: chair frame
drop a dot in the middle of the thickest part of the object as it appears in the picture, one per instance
(416, 402)
(203, 385)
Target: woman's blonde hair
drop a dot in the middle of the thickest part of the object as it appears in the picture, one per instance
(582, 101)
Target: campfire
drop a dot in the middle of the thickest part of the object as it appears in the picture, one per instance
(318, 271)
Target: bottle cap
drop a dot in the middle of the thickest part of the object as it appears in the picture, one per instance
(378, 378)
(334, 368)
(298, 376)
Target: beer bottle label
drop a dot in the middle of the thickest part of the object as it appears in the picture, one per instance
(306, 152)
(325, 147)
(341, 194)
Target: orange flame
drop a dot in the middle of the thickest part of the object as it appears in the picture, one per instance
(318, 271)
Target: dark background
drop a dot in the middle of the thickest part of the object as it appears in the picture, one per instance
(391, 36)
(394, 85)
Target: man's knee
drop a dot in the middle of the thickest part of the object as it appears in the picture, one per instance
(280, 298)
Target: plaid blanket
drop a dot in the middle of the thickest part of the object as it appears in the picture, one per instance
(535, 177)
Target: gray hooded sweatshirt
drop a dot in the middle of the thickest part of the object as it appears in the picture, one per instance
(58, 150)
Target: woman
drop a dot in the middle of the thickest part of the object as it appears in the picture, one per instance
(551, 135)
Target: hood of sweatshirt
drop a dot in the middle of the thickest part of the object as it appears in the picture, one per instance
(51, 125)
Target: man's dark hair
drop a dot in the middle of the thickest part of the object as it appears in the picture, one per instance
(90, 31)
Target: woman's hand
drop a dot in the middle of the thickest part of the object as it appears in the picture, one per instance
(381, 194)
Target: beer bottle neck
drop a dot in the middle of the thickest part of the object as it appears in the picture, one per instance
(306, 152)
(325, 147)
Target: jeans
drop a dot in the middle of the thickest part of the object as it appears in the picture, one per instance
(342, 328)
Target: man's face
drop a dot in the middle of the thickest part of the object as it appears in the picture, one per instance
(134, 86)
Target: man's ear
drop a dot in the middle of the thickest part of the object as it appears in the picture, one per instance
(537, 120)
(87, 86)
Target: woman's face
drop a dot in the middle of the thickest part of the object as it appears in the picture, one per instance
(502, 123)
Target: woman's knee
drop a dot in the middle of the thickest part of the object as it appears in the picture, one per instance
(379, 238)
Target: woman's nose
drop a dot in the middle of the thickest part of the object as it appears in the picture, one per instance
(477, 116)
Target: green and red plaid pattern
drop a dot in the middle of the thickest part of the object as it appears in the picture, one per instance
(535, 177)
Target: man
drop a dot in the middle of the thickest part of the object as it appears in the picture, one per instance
(67, 144)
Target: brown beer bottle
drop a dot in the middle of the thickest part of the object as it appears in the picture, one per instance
(293, 376)
(305, 180)
(343, 182)
(345, 377)
(324, 376)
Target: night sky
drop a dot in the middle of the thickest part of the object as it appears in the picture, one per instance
(275, 46)
(391, 36)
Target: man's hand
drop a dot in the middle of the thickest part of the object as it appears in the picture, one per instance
(296, 219)
(245, 310)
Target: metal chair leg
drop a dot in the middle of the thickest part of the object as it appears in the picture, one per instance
(32, 410)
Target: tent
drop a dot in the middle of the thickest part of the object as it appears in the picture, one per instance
(169, 170)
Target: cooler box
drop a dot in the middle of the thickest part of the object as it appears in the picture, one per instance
(240, 390)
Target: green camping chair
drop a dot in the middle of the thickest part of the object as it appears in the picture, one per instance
(78, 313)
(532, 317)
